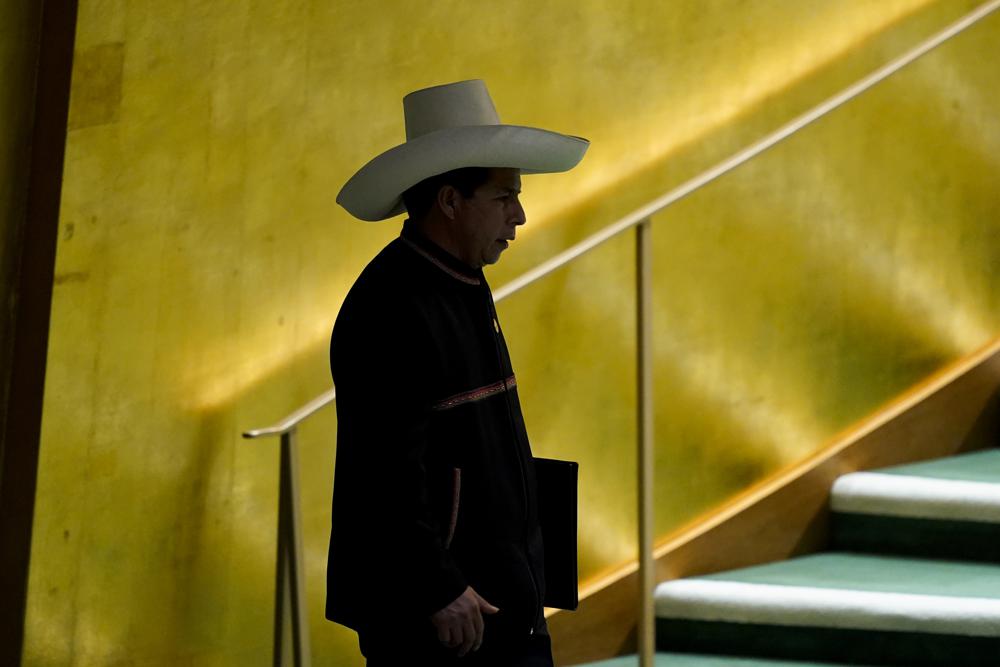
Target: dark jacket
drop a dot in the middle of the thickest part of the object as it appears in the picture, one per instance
(434, 486)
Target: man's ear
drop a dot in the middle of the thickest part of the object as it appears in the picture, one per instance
(447, 200)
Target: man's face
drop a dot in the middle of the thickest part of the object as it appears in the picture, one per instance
(486, 222)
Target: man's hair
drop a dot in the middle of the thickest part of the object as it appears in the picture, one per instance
(420, 198)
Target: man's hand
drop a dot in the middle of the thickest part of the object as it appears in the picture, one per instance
(460, 624)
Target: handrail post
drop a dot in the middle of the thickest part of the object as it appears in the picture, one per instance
(291, 622)
(644, 457)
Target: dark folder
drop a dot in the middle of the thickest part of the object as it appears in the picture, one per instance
(557, 497)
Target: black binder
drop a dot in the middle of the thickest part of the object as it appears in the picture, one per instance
(557, 498)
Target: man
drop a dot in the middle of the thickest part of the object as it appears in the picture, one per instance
(435, 551)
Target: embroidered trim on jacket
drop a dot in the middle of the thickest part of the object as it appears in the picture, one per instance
(438, 263)
(476, 394)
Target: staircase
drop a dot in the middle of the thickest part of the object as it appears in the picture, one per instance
(912, 578)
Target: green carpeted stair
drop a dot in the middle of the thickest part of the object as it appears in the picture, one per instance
(914, 579)
(664, 659)
(948, 508)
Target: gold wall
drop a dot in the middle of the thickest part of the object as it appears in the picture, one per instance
(202, 261)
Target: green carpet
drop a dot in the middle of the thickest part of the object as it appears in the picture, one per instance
(946, 508)
(691, 660)
(875, 573)
(835, 645)
(981, 466)
(915, 582)
(916, 537)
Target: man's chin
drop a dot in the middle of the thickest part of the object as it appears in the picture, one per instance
(492, 258)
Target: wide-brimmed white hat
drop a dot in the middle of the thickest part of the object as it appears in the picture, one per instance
(449, 127)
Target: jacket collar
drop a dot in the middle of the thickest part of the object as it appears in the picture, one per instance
(438, 256)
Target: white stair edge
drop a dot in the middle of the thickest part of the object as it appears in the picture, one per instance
(805, 606)
(916, 497)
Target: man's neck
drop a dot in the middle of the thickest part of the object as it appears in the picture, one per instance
(439, 234)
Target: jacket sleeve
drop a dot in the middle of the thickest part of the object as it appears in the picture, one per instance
(383, 365)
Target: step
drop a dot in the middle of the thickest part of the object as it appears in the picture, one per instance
(668, 659)
(839, 607)
(946, 508)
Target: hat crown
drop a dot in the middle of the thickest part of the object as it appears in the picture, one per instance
(459, 104)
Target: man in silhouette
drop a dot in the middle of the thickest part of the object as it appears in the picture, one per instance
(435, 550)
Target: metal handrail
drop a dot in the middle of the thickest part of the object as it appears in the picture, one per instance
(291, 643)
(296, 418)
(685, 189)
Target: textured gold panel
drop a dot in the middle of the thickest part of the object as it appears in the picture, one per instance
(97, 87)
(202, 261)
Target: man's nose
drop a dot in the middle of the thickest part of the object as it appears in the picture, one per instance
(519, 216)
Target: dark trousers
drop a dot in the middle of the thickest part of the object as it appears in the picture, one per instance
(420, 647)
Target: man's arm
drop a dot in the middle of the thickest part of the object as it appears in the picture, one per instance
(384, 365)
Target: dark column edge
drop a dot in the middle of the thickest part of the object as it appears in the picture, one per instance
(30, 318)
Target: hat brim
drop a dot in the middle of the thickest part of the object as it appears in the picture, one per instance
(374, 192)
